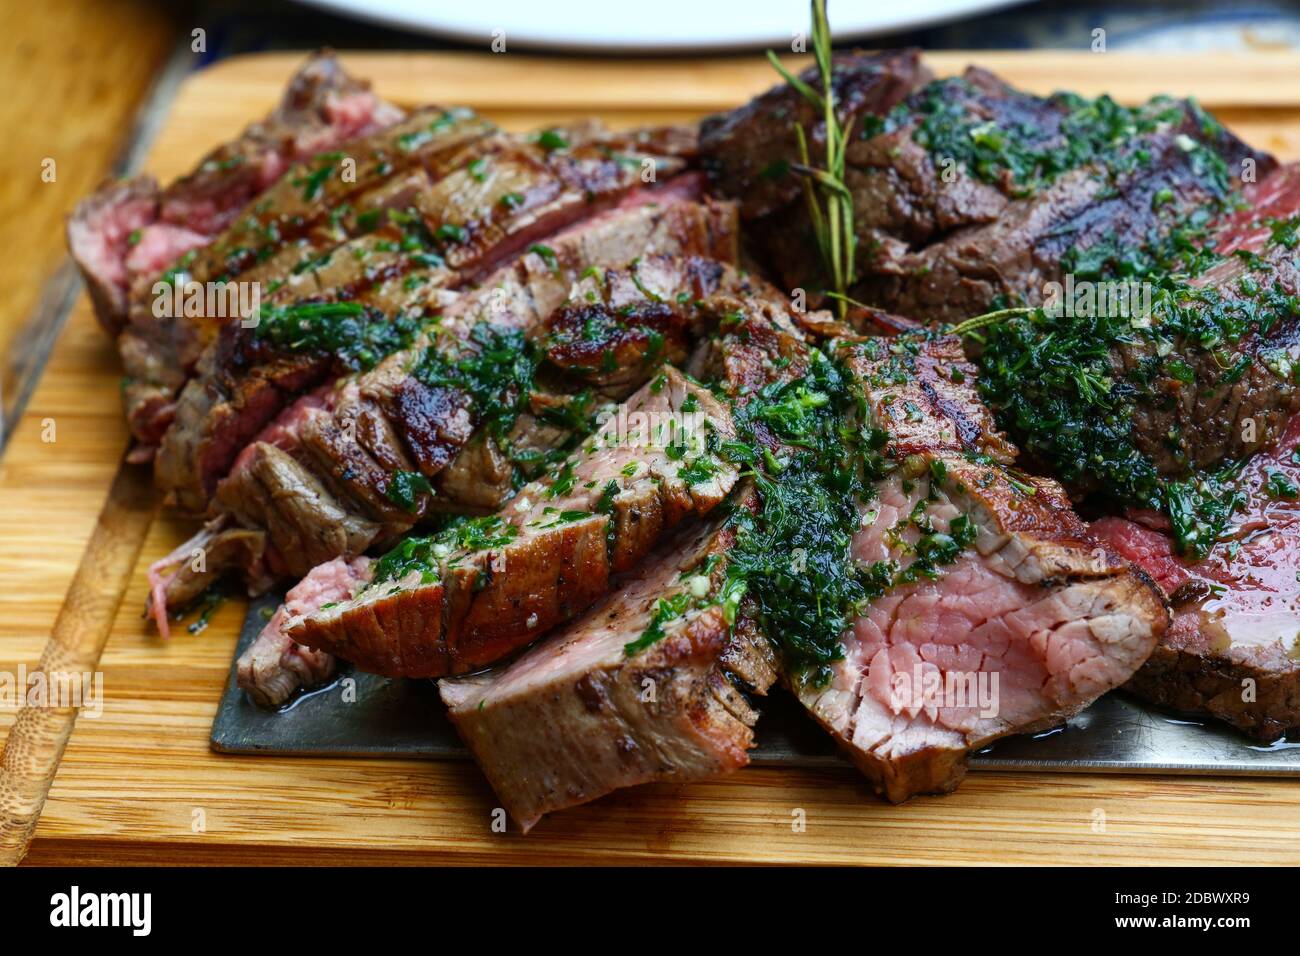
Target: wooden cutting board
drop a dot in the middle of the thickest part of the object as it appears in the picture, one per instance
(139, 783)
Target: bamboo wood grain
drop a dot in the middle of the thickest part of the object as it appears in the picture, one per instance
(74, 88)
(139, 784)
(35, 743)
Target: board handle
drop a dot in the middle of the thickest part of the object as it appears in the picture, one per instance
(39, 734)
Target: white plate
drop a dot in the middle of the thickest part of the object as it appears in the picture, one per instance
(658, 25)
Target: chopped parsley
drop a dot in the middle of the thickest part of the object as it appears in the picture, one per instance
(1280, 486)
(426, 554)
(551, 140)
(357, 336)
(405, 487)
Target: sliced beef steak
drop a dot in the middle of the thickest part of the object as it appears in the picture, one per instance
(479, 204)
(596, 706)
(132, 229)
(243, 381)
(997, 612)
(1233, 650)
(449, 604)
(309, 479)
(274, 667)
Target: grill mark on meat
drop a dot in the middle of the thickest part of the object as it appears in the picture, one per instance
(493, 602)
(302, 518)
(573, 185)
(620, 324)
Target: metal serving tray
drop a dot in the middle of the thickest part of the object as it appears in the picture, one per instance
(405, 718)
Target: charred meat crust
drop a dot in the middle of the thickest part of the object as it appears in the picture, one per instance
(748, 151)
(619, 497)
(570, 720)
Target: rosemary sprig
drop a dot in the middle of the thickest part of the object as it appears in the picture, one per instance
(978, 322)
(830, 204)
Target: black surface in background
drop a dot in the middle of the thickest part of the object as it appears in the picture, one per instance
(271, 909)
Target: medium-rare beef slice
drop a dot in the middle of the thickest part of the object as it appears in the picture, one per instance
(443, 605)
(648, 685)
(320, 202)
(994, 610)
(136, 228)
(273, 667)
(1233, 649)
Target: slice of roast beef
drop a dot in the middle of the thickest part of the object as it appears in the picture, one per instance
(597, 706)
(274, 667)
(1233, 650)
(996, 611)
(136, 228)
(448, 604)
